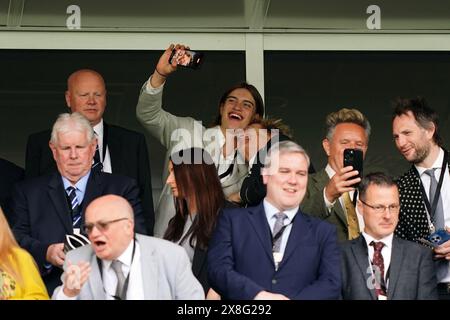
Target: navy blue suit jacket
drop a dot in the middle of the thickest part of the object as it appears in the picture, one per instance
(241, 262)
(43, 215)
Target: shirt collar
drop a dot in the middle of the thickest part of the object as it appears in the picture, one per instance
(329, 170)
(271, 210)
(437, 164)
(80, 185)
(98, 129)
(125, 257)
(386, 240)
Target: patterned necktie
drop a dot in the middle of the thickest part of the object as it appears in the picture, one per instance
(279, 223)
(74, 206)
(96, 162)
(352, 219)
(438, 215)
(378, 267)
(116, 265)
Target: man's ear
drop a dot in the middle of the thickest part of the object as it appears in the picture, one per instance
(53, 148)
(67, 96)
(430, 132)
(326, 146)
(359, 205)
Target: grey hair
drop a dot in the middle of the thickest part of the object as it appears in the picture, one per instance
(67, 122)
(345, 115)
(284, 147)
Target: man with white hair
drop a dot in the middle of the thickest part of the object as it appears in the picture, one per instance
(48, 208)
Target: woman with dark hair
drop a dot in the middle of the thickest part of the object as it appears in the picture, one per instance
(198, 199)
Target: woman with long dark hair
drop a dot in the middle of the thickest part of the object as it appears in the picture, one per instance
(198, 199)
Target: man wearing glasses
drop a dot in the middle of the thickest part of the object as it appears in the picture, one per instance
(50, 207)
(119, 265)
(377, 265)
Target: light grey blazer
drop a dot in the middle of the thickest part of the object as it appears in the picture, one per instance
(162, 125)
(166, 272)
(412, 274)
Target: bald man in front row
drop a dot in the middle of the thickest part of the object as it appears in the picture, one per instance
(122, 265)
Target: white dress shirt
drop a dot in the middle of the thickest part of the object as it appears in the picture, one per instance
(270, 211)
(135, 289)
(98, 129)
(445, 195)
(386, 251)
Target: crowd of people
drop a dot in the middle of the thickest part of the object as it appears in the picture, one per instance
(243, 214)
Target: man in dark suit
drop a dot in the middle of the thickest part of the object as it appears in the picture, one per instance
(274, 250)
(425, 188)
(9, 175)
(49, 207)
(330, 194)
(121, 151)
(378, 265)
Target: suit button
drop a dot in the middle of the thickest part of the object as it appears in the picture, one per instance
(274, 281)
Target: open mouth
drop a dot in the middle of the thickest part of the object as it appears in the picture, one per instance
(290, 190)
(99, 244)
(235, 116)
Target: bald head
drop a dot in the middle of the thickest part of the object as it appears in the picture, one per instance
(86, 94)
(110, 226)
(110, 206)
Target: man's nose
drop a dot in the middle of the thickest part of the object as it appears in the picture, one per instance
(73, 153)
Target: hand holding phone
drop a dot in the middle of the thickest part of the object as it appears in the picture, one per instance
(186, 58)
(439, 237)
(354, 158)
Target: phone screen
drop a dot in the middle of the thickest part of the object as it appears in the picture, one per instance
(354, 158)
(186, 58)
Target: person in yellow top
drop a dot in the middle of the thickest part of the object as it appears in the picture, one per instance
(19, 276)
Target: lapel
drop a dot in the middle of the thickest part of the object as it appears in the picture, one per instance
(113, 143)
(93, 190)
(299, 232)
(397, 258)
(320, 180)
(198, 261)
(149, 270)
(95, 280)
(258, 221)
(57, 195)
(360, 253)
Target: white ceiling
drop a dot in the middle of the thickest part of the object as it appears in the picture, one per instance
(227, 15)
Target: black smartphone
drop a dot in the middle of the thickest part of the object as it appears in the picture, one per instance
(354, 158)
(186, 58)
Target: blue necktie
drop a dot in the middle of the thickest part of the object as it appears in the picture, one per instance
(76, 215)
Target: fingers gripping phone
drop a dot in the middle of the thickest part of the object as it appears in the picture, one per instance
(354, 158)
(186, 58)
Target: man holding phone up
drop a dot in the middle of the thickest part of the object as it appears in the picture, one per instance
(425, 188)
(238, 106)
(331, 191)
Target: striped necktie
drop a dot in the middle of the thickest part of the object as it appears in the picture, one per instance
(74, 206)
(97, 162)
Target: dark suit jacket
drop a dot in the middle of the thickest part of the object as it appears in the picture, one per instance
(413, 221)
(43, 215)
(129, 157)
(253, 189)
(241, 262)
(9, 175)
(412, 273)
(314, 203)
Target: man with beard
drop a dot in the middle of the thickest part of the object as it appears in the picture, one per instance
(425, 188)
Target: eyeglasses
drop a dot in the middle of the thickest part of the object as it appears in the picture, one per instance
(102, 226)
(393, 208)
